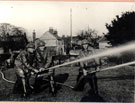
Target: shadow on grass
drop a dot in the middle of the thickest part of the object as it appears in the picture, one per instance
(122, 77)
(92, 98)
(41, 84)
(61, 78)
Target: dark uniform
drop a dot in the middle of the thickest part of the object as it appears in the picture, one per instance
(24, 66)
(85, 67)
(44, 60)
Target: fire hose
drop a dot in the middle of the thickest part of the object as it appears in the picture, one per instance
(113, 67)
(13, 82)
(3, 77)
(109, 68)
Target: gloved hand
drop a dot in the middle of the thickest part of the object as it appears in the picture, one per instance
(98, 69)
(85, 72)
(35, 70)
(41, 69)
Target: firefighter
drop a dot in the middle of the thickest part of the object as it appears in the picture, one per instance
(44, 60)
(24, 67)
(85, 67)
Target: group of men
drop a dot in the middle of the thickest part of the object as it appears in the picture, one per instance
(32, 61)
(35, 60)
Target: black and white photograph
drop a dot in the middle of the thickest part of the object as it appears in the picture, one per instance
(67, 51)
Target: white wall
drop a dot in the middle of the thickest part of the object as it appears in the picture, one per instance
(50, 42)
(103, 45)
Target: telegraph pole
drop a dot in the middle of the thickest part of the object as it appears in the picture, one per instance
(34, 36)
(71, 26)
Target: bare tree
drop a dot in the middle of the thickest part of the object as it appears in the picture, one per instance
(90, 35)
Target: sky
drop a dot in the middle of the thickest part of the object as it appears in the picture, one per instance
(40, 15)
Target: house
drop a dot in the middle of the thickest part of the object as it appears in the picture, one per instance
(52, 40)
(103, 43)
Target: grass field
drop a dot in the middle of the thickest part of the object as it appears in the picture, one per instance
(114, 86)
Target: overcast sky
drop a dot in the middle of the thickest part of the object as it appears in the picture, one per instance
(41, 15)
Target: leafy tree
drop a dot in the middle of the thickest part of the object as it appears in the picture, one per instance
(122, 29)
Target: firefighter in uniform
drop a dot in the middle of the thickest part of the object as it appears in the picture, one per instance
(85, 67)
(24, 67)
(44, 60)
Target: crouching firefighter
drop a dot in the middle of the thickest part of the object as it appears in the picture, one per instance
(24, 67)
(85, 67)
(44, 60)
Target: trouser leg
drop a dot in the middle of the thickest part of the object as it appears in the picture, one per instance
(80, 81)
(52, 85)
(93, 83)
(29, 86)
(18, 87)
(21, 76)
(79, 75)
(38, 82)
(24, 87)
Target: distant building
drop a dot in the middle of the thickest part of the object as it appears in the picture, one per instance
(52, 39)
(103, 43)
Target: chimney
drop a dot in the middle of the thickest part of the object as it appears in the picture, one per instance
(55, 32)
(34, 35)
(51, 30)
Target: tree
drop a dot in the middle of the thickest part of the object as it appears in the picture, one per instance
(122, 29)
(6, 28)
(12, 37)
(87, 34)
(90, 35)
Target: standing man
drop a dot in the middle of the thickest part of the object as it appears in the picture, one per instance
(24, 67)
(44, 60)
(87, 66)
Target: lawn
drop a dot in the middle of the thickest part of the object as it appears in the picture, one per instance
(114, 86)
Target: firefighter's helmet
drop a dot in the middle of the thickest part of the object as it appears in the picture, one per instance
(85, 42)
(30, 45)
(41, 43)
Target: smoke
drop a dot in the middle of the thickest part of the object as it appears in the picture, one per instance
(112, 51)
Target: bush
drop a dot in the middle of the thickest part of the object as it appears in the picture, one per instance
(122, 58)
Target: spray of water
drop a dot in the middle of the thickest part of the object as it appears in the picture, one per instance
(112, 51)
(108, 52)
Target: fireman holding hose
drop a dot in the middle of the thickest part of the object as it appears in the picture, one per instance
(24, 67)
(44, 60)
(85, 67)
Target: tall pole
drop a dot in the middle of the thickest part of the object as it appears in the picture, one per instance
(34, 36)
(71, 25)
